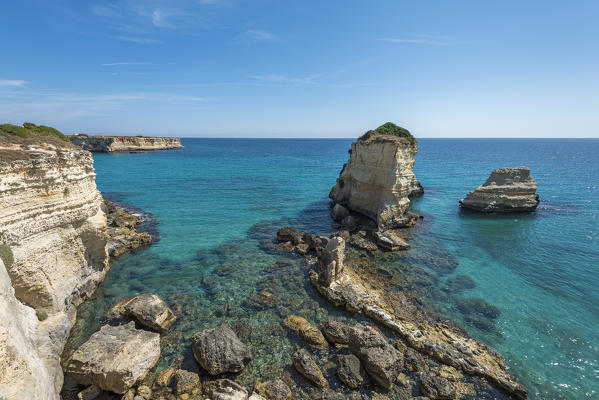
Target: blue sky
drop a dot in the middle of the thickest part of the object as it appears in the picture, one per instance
(274, 68)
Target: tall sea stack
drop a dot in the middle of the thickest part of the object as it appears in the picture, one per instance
(377, 181)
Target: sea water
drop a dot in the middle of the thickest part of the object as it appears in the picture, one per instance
(534, 277)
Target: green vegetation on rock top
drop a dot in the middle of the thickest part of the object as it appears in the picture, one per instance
(31, 129)
(6, 255)
(390, 129)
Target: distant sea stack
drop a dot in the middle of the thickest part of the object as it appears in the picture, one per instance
(110, 144)
(506, 190)
(377, 181)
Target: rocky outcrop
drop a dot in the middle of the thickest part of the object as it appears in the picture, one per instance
(149, 309)
(350, 370)
(122, 230)
(115, 357)
(52, 222)
(378, 179)
(307, 367)
(219, 350)
(110, 144)
(506, 190)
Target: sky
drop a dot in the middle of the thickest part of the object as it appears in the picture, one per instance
(283, 68)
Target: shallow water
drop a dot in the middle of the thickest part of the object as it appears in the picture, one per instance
(217, 199)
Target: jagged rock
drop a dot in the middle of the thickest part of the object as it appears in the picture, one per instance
(350, 371)
(115, 357)
(390, 241)
(414, 361)
(378, 177)
(122, 229)
(506, 190)
(129, 395)
(186, 381)
(289, 234)
(149, 309)
(330, 260)
(338, 213)
(416, 188)
(273, 390)
(144, 391)
(362, 243)
(307, 331)
(307, 367)
(336, 331)
(382, 361)
(219, 350)
(226, 389)
(164, 377)
(436, 387)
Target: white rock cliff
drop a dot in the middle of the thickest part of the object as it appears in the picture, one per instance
(52, 222)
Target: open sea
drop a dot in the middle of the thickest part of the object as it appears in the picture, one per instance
(217, 200)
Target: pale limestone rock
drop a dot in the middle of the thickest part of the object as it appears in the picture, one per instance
(109, 144)
(330, 260)
(115, 357)
(149, 309)
(378, 179)
(506, 190)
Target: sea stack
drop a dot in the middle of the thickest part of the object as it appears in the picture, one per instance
(506, 190)
(377, 181)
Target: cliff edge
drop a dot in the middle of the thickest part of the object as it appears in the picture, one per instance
(53, 236)
(378, 179)
(109, 144)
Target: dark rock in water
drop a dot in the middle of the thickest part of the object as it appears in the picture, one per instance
(123, 232)
(226, 389)
(480, 322)
(477, 306)
(289, 234)
(307, 367)
(436, 387)
(338, 213)
(382, 361)
(186, 381)
(261, 300)
(115, 357)
(149, 309)
(416, 188)
(307, 331)
(350, 371)
(273, 390)
(219, 350)
(460, 282)
(506, 190)
(336, 331)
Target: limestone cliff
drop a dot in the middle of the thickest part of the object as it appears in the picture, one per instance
(506, 190)
(109, 144)
(54, 230)
(378, 177)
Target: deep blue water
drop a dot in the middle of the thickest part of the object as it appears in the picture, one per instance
(215, 198)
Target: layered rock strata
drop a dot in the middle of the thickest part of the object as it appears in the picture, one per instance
(109, 144)
(52, 222)
(378, 179)
(506, 190)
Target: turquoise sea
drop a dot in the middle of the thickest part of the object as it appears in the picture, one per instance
(217, 200)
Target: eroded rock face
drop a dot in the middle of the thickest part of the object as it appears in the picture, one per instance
(115, 357)
(219, 350)
(51, 219)
(378, 179)
(109, 144)
(330, 260)
(506, 190)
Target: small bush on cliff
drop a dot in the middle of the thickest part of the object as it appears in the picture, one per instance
(6, 255)
(390, 129)
(31, 129)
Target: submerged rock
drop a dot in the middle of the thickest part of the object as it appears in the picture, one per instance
(506, 190)
(336, 331)
(378, 178)
(115, 357)
(389, 240)
(273, 390)
(310, 333)
(307, 367)
(185, 381)
(219, 350)
(226, 389)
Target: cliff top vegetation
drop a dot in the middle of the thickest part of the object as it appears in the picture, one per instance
(31, 129)
(389, 129)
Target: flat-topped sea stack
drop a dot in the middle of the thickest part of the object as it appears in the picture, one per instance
(110, 144)
(378, 179)
(506, 190)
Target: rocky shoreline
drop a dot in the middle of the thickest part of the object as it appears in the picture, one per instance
(129, 144)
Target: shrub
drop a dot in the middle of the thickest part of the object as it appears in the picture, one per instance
(390, 129)
(31, 129)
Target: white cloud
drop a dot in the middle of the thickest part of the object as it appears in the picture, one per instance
(421, 39)
(276, 78)
(136, 39)
(260, 35)
(12, 82)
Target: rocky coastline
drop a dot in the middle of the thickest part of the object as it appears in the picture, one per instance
(129, 144)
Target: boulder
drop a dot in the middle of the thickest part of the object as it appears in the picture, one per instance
(115, 357)
(350, 370)
(336, 331)
(382, 361)
(273, 390)
(186, 381)
(219, 350)
(307, 331)
(435, 387)
(164, 377)
(307, 367)
(289, 234)
(390, 241)
(360, 242)
(506, 190)
(226, 389)
(150, 310)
